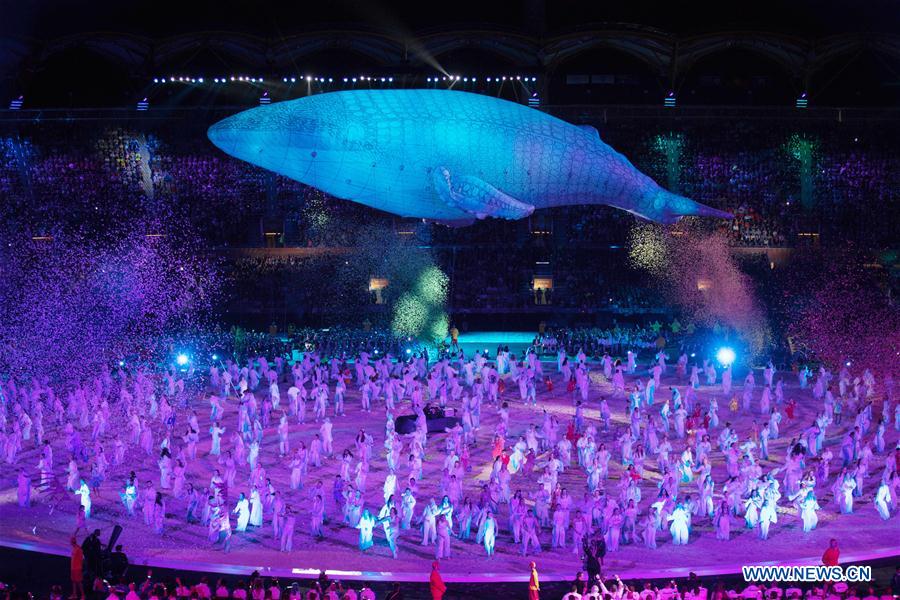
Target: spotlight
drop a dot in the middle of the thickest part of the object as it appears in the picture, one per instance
(693, 354)
(354, 80)
(848, 363)
(489, 79)
(181, 359)
(408, 351)
(725, 356)
(232, 77)
(200, 80)
(345, 80)
(504, 78)
(156, 80)
(293, 80)
(534, 78)
(330, 80)
(215, 357)
(390, 80)
(308, 78)
(121, 363)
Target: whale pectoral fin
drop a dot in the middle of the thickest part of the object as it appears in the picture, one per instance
(477, 197)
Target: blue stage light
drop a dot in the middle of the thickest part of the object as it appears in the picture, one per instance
(726, 356)
(215, 357)
(182, 359)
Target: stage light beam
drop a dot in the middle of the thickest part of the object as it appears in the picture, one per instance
(726, 356)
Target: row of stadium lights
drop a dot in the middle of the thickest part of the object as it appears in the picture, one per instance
(310, 79)
(242, 78)
(475, 79)
(201, 80)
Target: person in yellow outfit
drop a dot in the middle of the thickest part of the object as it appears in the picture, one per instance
(534, 585)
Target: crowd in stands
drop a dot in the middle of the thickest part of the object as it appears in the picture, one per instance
(238, 343)
(304, 285)
(595, 342)
(812, 181)
(256, 587)
(838, 180)
(337, 341)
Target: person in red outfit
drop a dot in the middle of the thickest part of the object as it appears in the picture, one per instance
(534, 585)
(830, 559)
(831, 556)
(436, 583)
(76, 564)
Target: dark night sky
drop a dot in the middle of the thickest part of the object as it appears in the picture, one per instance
(44, 20)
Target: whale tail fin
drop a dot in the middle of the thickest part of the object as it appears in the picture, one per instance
(669, 208)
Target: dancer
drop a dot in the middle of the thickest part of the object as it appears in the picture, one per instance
(679, 520)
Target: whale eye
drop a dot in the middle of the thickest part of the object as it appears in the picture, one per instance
(314, 154)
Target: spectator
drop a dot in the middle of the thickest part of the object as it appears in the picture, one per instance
(573, 594)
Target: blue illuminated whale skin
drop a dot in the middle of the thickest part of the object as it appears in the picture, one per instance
(443, 155)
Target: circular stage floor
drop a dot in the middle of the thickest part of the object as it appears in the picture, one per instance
(863, 535)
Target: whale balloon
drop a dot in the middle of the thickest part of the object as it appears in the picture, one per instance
(443, 155)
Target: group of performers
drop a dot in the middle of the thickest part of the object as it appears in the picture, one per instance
(252, 446)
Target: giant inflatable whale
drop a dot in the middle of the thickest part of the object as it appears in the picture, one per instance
(443, 155)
